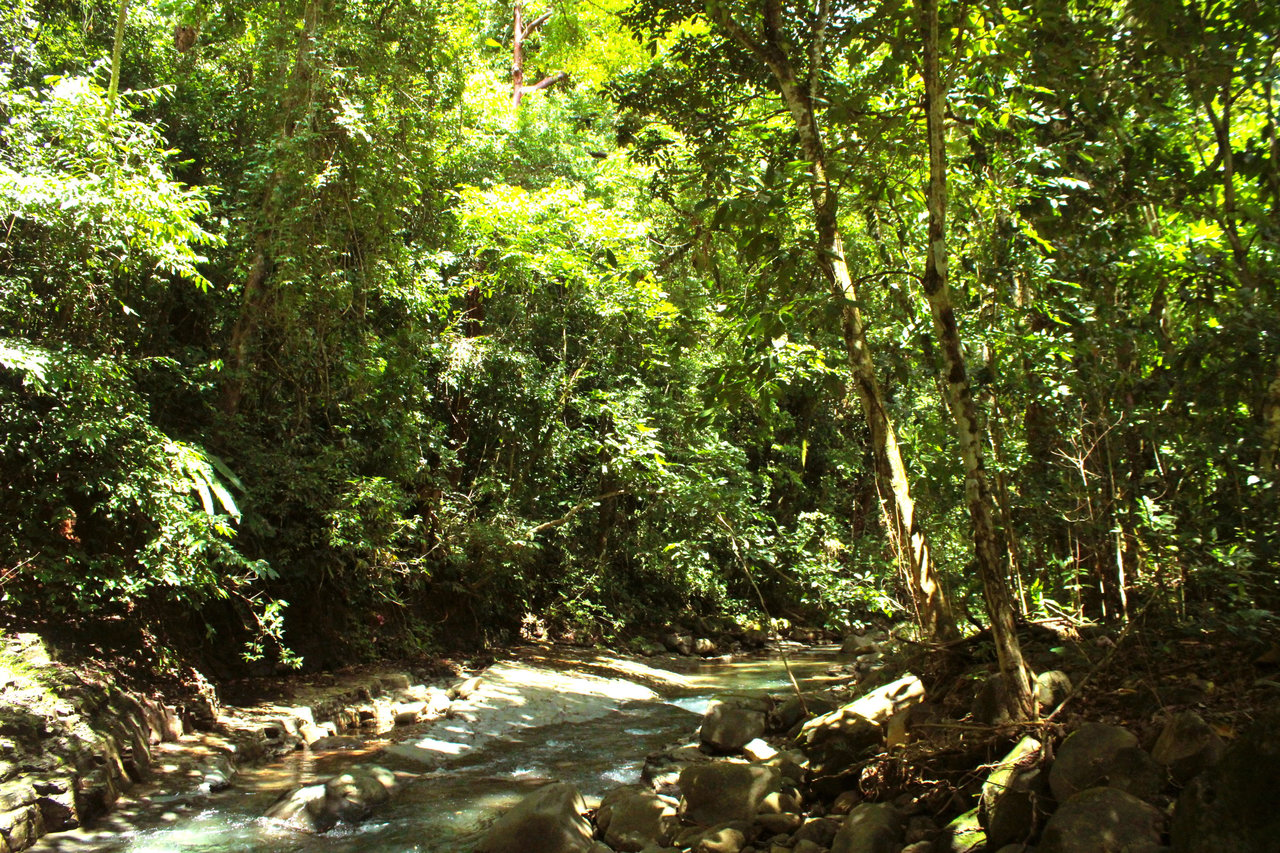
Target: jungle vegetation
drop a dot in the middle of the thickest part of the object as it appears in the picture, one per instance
(334, 329)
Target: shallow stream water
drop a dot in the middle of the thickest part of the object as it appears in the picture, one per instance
(446, 808)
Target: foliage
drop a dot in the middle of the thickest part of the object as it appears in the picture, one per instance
(314, 315)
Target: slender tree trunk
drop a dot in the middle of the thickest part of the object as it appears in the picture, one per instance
(113, 88)
(930, 600)
(987, 542)
(520, 32)
(1271, 425)
(253, 302)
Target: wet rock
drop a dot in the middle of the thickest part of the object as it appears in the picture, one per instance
(352, 796)
(301, 809)
(634, 817)
(870, 828)
(1186, 746)
(1100, 754)
(731, 723)
(348, 798)
(714, 794)
(547, 821)
(1103, 820)
(1051, 688)
(1232, 806)
(1014, 795)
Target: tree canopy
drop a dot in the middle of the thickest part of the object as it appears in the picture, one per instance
(352, 328)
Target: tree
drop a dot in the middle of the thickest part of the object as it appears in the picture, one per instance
(970, 431)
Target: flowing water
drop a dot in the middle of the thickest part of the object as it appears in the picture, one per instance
(447, 807)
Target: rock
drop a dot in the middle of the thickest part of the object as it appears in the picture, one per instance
(351, 797)
(634, 817)
(787, 713)
(714, 794)
(962, 835)
(728, 838)
(21, 827)
(1104, 820)
(1051, 688)
(835, 740)
(1100, 754)
(758, 750)
(1187, 746)
(804, 845)
(857, 646)
(302, 809)
(662, 770)
(778, 823)
(680, 643)
(348, 798)
(547, 821)
(463, 689)
(704, 647)
(818, 830)
(1014, 795)
(1232, 806)
(870, 828)
(731, 723)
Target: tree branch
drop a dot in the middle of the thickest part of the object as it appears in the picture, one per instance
(574, 510)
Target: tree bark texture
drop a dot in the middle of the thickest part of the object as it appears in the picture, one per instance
(969, 429)
(520, 32)
(931, 604)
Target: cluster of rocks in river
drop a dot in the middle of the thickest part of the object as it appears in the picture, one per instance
(781, 775)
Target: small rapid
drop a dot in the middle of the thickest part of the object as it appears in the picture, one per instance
(465, 771)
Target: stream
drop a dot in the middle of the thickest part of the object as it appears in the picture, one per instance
(465, 781)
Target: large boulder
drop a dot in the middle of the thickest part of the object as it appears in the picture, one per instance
(870, 828)
(720, 793)
(1186, 746)
(1100, 754)
(1104, 820)
(836, 740)
(633, 817)
(1014, 794)
(732, 722)
(547, 821)
(1233, 805)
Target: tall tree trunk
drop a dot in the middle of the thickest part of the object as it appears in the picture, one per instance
(929, 598)
(253, 301)
(987, 542)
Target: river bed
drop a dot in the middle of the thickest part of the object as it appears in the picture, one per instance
(596, 736)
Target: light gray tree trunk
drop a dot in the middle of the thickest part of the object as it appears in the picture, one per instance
(987, 543)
